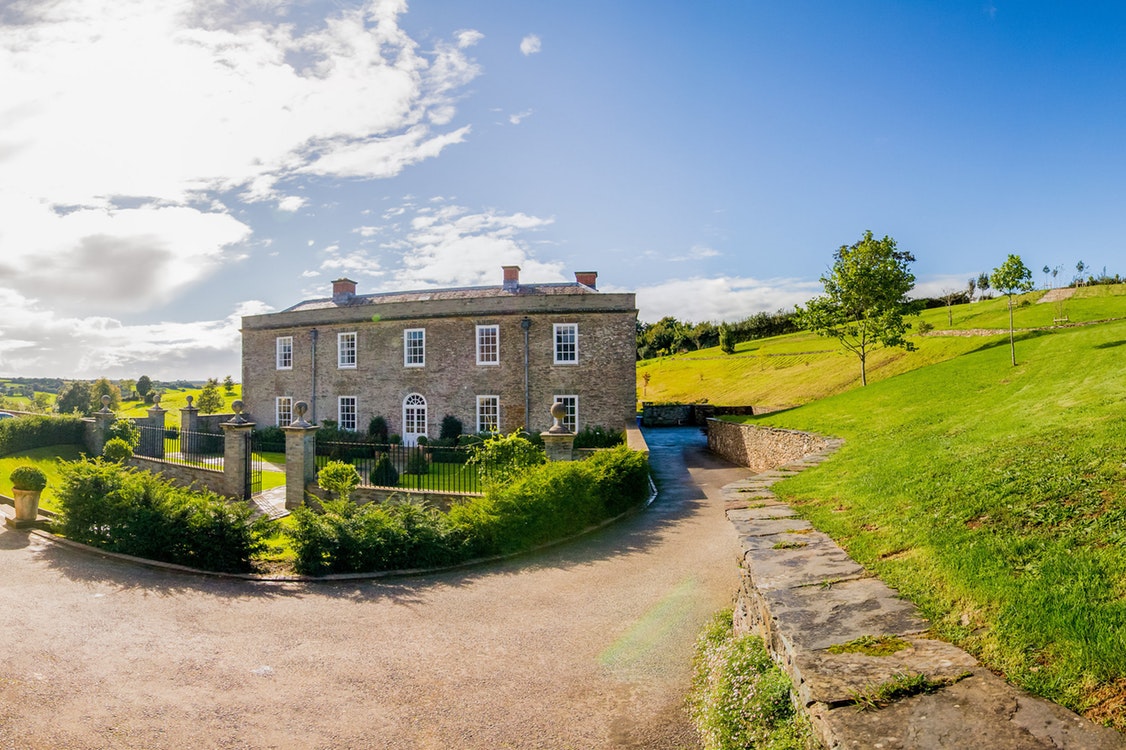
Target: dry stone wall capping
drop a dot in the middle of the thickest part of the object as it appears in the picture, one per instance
(761, 448)
(801, 593)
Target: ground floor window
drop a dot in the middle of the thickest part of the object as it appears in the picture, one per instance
(346, 413)
(414, 418)
(571, 418)
(283, 411)
(488, 414)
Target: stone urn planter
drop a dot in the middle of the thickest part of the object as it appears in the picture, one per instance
(27, 485)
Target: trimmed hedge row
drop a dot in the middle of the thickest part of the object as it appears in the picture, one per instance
(134, 512)
(38, 431)
(547, 502)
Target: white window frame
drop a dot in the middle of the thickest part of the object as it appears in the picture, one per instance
(566, 353)
(488, 353)
(571, 419)
(283, 411)
(342, 402)
(485, 405)
(414, 349)
(346, 345)
(283, 353)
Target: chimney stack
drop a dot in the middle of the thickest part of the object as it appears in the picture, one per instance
(587, 278)
(343, 290)
(511, 278)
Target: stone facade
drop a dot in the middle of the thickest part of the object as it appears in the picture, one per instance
(450, 379)
(758, 447)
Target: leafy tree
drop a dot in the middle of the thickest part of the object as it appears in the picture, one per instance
(229, 385)
(865, 299)
(102, 387)
(339, 479)
(1080, 267)
(144, 385)
(983, 284)
(74, 398)
(971, 289)
(209, 400)
(726, 339)
(1011, 277)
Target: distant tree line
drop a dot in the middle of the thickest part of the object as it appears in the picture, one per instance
(671, 336)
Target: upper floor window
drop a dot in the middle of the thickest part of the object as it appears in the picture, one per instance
(346, 412)
(566, 343)
(346, 350)
(414, 347)
(283, 411)
(488, 345)
(284, 353)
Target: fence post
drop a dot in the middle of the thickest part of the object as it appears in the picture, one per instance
(300, 456)
(188, 429)
(102, 421)
(152, 441)
(236, 456)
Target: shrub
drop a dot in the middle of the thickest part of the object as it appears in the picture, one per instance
(502, 458)
(138, 513)
(377, 430)
(599, 437)
(451, 428)
(621, 478)
(338, 478)
(394, 438)
(117, 450)
(384, 474)
(28, 478)
(417, 462)
(271, 439)
(38, 431)
(125, 430)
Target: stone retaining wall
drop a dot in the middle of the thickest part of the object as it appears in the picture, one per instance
(184, 476)
(758, 447)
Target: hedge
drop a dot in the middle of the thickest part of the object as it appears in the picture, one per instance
(546, 502)
(38, 431)
(134, 512)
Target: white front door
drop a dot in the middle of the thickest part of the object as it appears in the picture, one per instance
(414, 418)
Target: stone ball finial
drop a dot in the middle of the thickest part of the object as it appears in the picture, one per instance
(105, 402)
(558, 412)
(300, 409)
(156, 398)
(237, 407)
(190, 399)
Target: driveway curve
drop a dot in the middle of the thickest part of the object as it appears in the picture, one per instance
(586, 645)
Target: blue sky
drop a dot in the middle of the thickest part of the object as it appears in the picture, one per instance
(168, 167)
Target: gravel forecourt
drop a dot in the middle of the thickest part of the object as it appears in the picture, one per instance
(584, 645)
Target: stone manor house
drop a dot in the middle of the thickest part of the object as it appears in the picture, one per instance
(495, 357)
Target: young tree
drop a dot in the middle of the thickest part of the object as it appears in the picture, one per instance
(865, 299)
(983, 284)
(144, 385)
(971, 289)
(229, 385)
(209, 400)
(102, 387)
(1011, 277)
(1080, 267)
(726, 339)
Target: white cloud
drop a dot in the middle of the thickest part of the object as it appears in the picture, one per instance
(37, 342)
(530, 44)
(519, 117)
(697, 252)
(468, 38)
(937, 286)
(127, 125)
(721, 299)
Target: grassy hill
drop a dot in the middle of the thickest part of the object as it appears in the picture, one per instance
(800, 368)
(993, 497)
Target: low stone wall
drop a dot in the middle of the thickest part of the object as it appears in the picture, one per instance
(758, 447)
(185, 476)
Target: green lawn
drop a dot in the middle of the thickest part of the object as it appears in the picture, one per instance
(995, 498)
(174, 400)
(47, 460)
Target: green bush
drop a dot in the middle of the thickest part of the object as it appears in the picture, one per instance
(270, 439)
(138, 513)
(125, 430)
(417, 463)
(38, 431)
(451, 428)
(338, 478)
(377, 430)
(599, 437)
(502, 458)
(28, 478)
(540, 504)
(117, 450)
(384, 474)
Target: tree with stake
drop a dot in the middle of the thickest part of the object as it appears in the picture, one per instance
(865, 299)
(983, 284)
(1011, 277)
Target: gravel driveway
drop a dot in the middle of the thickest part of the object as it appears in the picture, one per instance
(586, 645)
